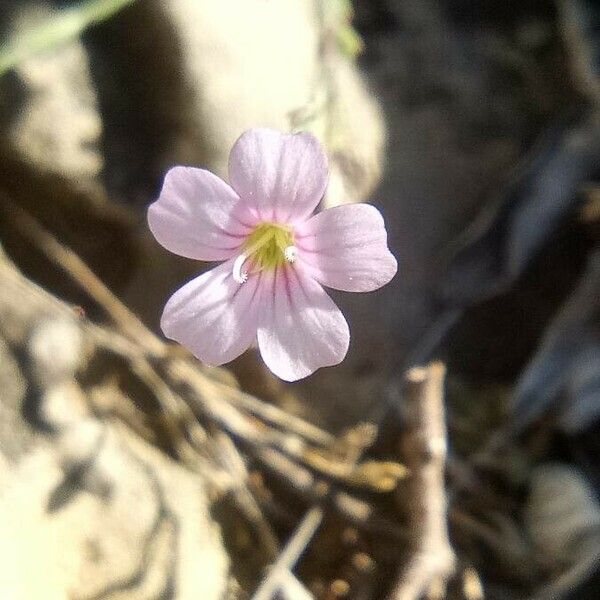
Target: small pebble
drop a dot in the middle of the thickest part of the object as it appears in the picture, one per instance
(340, 588)
(363, 562)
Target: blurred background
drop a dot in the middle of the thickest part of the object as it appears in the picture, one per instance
(129, 470)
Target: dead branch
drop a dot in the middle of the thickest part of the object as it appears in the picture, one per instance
(306, 486)
(293, 550)
(424, 450)
(76, 268)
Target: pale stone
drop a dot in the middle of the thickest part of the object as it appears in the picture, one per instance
(56, 126)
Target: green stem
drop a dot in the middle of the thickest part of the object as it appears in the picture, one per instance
(66, 26)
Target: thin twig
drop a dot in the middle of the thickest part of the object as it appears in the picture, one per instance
(78, 270)
(274, 415)
(303, 484)
(424, 449)
(292, 551)
(231, 459)
(209, 399)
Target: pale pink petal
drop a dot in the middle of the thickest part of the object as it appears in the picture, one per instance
(198, 215)
(346, 248)
(213, 316)
(283, 176)
(300, 328)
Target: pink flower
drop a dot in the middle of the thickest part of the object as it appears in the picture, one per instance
(277, 255)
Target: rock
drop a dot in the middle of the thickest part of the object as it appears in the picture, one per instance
(87, 508)
(12, 396)
(354, 136)
(562, 515)
(53, 123)
(52, 159)
(148, 533)
(205, 71)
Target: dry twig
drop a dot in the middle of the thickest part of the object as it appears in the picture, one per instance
(76, 268)
(424, 449)
(279, 571)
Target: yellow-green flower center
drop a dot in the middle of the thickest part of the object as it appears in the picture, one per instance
(269, 246)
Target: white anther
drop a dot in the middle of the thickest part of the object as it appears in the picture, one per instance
(239, 275)
(290, 253)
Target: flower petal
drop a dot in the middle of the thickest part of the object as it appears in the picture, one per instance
(345, 248)
(198, 215)
(300, 329)
(214, 316)
(283, 176)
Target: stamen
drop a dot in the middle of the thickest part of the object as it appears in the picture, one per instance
(290, 254)
(239, 275)
(268, 246)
